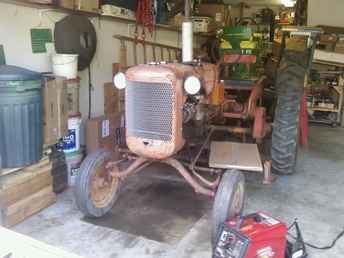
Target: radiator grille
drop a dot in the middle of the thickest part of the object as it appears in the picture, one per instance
(149, 110)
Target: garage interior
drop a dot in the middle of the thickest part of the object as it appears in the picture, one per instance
(165, 128)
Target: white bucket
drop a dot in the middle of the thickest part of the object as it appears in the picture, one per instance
(65, 65)
(73, 161)
(71, 142)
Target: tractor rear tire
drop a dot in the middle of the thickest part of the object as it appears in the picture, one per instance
(95, 191)
(229, 200)
(285, 134)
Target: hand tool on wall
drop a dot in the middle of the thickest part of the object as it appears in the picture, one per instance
(155, 46)
(123, 55)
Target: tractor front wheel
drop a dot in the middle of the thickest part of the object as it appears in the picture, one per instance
(229, 200)
(95, 190)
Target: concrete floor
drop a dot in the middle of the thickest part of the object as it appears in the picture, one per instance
(313, 195)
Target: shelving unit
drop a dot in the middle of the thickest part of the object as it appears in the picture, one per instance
(92, 14)
(327, 113)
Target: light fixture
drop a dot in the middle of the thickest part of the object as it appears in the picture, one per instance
(288, 3)
(192, 85)
(120, 81)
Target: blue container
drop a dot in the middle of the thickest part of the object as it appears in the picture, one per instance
(71, 142)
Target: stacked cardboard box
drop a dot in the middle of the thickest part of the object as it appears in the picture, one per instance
(103, 132)
(55, 110)
(340, 45)
(24, 192)
(106, 132)
(81, 5)
(328, 41)
(113, 99)
(219, 12)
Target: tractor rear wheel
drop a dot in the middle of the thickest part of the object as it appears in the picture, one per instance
(229, 200)
(289, 85)
(95, 190)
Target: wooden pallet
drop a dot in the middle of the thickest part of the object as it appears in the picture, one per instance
(24, 192)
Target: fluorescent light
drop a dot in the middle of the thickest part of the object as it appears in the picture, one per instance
(288, 3)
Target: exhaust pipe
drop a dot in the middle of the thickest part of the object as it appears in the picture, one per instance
(187, 35)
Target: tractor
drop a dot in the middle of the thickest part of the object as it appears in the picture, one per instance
(173, 115)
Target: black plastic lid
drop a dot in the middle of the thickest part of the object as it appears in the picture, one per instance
(15, 73)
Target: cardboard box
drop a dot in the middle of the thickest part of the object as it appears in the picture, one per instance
(55, 112)
(328, 38)
(88, 5)
(113, 99)
(327, 42)
(102, 132)
(68, 4)
(73, 92)
(340, 46)
(219, 12)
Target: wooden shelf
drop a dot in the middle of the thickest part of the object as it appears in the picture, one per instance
(92, 14)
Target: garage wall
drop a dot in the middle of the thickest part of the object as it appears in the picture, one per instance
(328, 12)
(15, 25)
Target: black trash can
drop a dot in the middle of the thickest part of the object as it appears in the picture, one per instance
(21, 125)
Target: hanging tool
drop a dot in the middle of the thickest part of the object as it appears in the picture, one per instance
(155, 46)
(123, 55)
(145, 15)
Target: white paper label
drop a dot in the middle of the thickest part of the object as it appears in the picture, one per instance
(105, 128)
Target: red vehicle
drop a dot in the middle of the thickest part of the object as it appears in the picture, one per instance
(172, 114)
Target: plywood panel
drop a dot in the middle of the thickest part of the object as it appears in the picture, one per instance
(30, 248)
(233, 155)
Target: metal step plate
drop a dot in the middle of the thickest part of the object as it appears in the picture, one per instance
(233, 155)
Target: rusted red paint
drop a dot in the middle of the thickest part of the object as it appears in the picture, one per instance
(173, 74)
(259, 126)
(239, 59)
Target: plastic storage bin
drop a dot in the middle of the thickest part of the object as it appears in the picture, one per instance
(21, 123)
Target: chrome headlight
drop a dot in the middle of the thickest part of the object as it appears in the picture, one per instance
(120, 81)
(192, 85)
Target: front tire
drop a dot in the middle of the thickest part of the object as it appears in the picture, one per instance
(95, 190)
(229, 200)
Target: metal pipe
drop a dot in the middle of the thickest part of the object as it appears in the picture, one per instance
(187, 10)
(202, 169)
(232, 129)
(182, 170)
(136, 166)
(193, 163)
(187, 35)
(211, 184)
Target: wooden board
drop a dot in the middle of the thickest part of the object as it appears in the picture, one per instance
(29, 248)
(17, 192)
(43, 161)
(28, 206)
(233, 155)
(23, 175)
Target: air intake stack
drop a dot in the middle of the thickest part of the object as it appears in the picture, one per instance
(187, 35)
